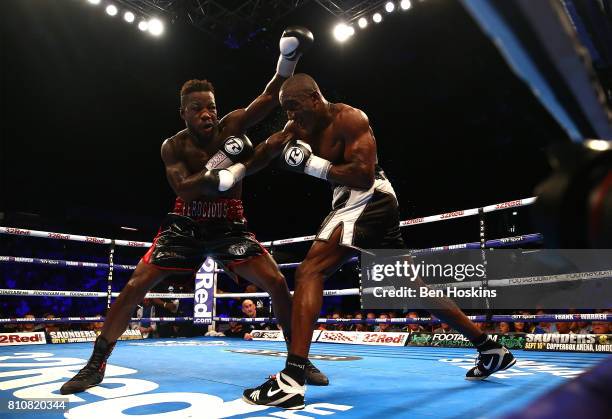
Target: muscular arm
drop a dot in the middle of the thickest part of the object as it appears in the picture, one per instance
(259, 108)
(187, 186)
(267, 151)
(357, 171)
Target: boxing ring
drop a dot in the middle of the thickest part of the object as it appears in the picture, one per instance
(205, 376)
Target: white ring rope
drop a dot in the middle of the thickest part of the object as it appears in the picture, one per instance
(423, 220)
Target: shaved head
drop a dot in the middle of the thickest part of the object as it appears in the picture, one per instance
(300, 84)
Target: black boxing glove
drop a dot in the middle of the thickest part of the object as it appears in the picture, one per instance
(233, 149)
(293, 43)
(297, 157)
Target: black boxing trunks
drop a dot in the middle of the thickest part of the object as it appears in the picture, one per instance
(196, 230)
(369, 218)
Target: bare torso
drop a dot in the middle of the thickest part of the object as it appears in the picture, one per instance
(194, 155)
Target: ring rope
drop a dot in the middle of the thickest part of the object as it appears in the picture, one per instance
(423, 220)
(526, 318)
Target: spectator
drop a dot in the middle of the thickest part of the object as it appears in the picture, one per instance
(413, 327)
(359, 327)
(385, 327)
(563, 328)
(260, 306)
(599, 327)
(338, 326)
(146, 327)
(581, 328)
(370, 316)
(249, 309)
(28, 327)
(50, 327)
(503, 328)
(520, 327)
(167, 307)
(444, 328)
(239, 330)
(544, 327)
(97, 326)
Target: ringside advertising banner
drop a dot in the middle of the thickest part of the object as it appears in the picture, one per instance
(569, 343)
(457, 340)
(76, 336)
(364, 338)
(277, 335)
(204, 295)
(22, 338)
(488, 278)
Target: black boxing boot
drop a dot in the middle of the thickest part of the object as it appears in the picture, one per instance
(314, 376)
(92, 373)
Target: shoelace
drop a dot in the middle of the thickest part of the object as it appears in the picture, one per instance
(255, 395)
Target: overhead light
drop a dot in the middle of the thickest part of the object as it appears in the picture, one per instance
(129, 17)
(95, 2)
(389, 6)
(598, 145)
(362, 22)
(129, 228)
(156, 27)
(111, 10)
(377, 17)
(143, 25)
(342, 32)
(405, 4)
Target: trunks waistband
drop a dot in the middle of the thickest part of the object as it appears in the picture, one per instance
(210, 209)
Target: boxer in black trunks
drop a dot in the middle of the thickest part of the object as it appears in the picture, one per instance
(205, 222)
(334, 142)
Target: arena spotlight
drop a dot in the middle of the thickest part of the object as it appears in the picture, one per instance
(405, 4)
(377, 17)
(362, 22)
(389, 6)
(129, 17)
(156, 27)
(94, 2)
(342, 32)
(143, 25)
(111, 10)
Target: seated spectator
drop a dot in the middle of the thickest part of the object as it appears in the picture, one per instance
(249, 309)
(563, 328)
(358, 327)
(520, 327)
(28, 327)
(385, 327)
(239, 330)
(97, 326)
(444, 328)
(581, 328)
(370, 316)
(260, 305)
(600, 328)
(544, 327)
(413, 327)
(144, 311)
(338, 326)
(503, 328)
(50, 327)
